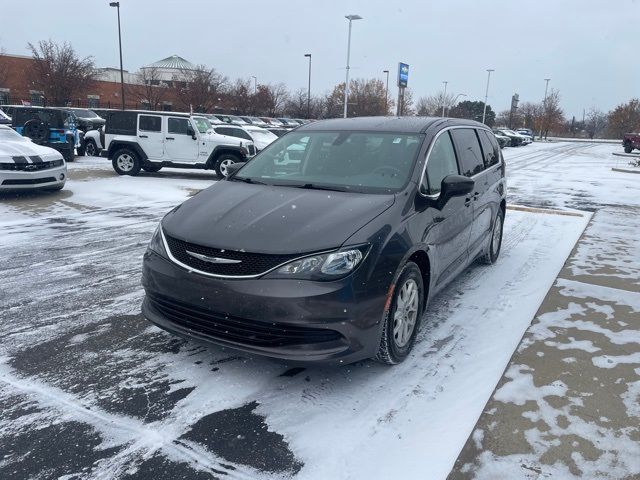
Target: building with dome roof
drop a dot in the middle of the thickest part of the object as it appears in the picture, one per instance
(168, 69)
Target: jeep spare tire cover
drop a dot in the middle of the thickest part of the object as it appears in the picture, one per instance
(36, 130)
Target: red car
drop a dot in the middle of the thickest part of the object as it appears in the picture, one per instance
(630, 141)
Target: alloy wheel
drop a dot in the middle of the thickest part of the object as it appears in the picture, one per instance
(223, 166)
(406, 313)
(125, 162)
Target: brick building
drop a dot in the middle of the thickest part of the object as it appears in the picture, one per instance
(16, 86)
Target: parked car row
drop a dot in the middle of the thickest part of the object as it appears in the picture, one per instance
(510, 138)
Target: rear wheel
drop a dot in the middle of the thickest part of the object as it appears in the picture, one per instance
(403, 318)
(496, 240)
(223, 162)
(126, 162)
(628, 148)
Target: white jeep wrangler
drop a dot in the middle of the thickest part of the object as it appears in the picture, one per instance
(135, 140)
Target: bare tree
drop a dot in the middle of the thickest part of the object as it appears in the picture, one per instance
(240, 96)
(624, 118)
(334, 102)
(531, 114)
(150, 89)
(596, 122)
(552, 114)
(59, 72)
(407, 103)
(199, 88)
(431, 106)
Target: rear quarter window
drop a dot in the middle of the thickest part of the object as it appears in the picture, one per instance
(121, 123)
(490, 148)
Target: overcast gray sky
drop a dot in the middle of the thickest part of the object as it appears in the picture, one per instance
(589, 48)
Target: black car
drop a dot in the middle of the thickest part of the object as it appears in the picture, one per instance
(333, 253)
(87, 119)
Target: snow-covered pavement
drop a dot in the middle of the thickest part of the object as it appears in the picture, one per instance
(89, 389)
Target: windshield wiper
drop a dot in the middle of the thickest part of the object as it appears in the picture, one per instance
(247, 180)
(313, 186)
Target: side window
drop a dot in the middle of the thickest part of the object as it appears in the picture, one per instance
(149, 123)
(490, 148)
(225, 131)
(468, 148)
(441, 163)
(238, 132)
(178, 125)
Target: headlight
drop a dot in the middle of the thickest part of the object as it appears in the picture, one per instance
(326, 266)
(156, 244)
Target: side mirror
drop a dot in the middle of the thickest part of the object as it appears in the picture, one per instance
(191, 131)
(454, 186)
(233, 168)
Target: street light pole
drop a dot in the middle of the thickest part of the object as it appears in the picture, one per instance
(117, 5)
(386, 95)
(444, 98)
(486, 94)
(309, 88)
(351, 18)
(544, 107)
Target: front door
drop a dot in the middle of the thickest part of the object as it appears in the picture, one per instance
(180, 145)
(150, 136)
(446, 231)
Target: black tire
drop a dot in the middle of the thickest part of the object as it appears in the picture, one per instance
(126, 162)
(91, 149)
(628, 148)
(151, 168)
(223, 159)
(36, 130)
(495, 244)
(395, 342)
(68, 155)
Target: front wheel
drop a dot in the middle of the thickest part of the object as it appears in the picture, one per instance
(403, 318)
(496, 240)
(628, 148)
(125, 162)
(223, 162)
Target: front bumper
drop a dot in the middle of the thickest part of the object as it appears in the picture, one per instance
(299, 321)
(25, 180)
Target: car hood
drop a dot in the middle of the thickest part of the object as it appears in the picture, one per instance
(267, 219)
(8, 150)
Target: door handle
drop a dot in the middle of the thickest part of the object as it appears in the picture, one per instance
(467, 202)
(170, 138)
(143, 136)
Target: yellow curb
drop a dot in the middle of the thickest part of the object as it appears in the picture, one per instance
(544, 210)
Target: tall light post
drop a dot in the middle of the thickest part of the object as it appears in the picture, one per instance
(486, 94)
(351, 18)
(117, 5)
(544, 107)
(309, 88)
(444, 97)
(386, 95)
(255, 84)
(458, 96)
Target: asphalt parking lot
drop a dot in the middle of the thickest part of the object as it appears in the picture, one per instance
(89, 389)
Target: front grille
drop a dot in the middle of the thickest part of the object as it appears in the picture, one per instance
(28, 181)
(252, 149)
(251, 264)
(239, 330)
(31, 167)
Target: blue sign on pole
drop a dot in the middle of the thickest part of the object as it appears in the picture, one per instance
(403, 74)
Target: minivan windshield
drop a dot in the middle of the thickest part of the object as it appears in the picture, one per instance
(367, 162)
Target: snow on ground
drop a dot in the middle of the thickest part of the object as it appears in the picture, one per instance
(89, 388)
